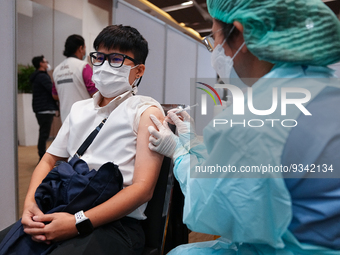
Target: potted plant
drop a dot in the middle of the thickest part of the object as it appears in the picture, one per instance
(24, 73)
(28, 128)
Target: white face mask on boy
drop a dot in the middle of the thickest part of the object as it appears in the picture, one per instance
(112, 82)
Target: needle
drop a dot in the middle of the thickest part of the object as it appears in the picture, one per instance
(186, 108)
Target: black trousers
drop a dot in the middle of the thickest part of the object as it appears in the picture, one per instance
(45, 123)
(121, 237)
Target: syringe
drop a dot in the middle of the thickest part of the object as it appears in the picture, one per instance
(186, 108)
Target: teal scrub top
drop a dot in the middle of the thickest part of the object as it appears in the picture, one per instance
(251, 214)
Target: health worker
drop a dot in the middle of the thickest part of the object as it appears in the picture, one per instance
(274, 46)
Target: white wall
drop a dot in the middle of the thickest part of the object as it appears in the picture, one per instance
(174, 58)
(174, 61)
(8, 149)
(94, 20)
(205, 75)
(154, 32)
(28, 128)
(43, 30)
(180, 67)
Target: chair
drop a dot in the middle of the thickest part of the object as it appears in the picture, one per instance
(157, 211)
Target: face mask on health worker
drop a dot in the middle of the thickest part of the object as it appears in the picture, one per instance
(221, 63)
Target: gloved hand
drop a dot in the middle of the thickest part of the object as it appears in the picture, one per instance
(164, 141)
(185, 128)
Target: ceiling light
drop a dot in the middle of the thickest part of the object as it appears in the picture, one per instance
(187, 3)
(178, 6)
(204, 30)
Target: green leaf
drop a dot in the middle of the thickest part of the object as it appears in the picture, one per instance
(24, 73)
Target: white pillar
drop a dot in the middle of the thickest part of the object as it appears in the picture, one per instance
(8, 130)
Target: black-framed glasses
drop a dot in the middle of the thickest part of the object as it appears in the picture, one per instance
(209, 41)
(115, 60)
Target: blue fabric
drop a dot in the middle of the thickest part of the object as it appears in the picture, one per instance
(69, 187)
(313, 142)
(254, 211)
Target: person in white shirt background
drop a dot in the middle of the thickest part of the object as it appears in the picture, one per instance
(72, 77)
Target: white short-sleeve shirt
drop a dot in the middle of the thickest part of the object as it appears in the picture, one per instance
(116, 141)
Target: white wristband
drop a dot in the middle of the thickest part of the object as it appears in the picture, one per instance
(80, 216)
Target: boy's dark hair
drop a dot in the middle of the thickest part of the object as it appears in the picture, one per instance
(123, 38)
(37, 60)
(73, 42)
